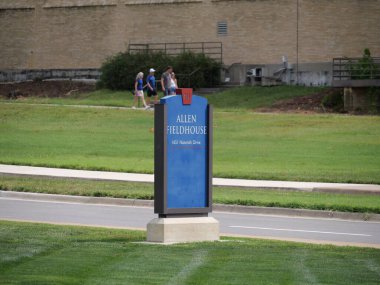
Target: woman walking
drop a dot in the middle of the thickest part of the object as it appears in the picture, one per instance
(173, 84)
(139, 91)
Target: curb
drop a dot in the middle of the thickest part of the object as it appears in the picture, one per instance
(305, 213)
(216, 207)
(76, 199)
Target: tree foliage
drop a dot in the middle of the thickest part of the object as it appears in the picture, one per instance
(364, 68)
(192, 69)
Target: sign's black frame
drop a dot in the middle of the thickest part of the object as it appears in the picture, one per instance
(160, 166)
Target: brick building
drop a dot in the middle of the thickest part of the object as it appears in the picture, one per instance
(73, 34)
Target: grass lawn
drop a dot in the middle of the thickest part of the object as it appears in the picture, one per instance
(257, 97)
(333, 148)
(221, 195)
(229, 100)
(101, 97)
(47, 254)
(96, 98)
(77, 138)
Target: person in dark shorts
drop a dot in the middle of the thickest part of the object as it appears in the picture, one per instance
(151, 86)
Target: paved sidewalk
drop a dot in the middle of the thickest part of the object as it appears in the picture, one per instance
(135, 177)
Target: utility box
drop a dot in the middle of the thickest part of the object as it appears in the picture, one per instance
(254, 77)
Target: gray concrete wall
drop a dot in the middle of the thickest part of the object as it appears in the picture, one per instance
(309, 74)
(360, 99)
(17, 75)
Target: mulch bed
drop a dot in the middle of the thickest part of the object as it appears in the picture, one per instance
(305, 104)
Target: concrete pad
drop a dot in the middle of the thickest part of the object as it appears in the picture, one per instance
(178, 230)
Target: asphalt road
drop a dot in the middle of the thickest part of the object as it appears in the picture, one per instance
(315, 230)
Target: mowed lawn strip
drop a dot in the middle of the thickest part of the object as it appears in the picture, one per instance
(231, 99)
(97, 139)
(47, 254)
(243, 98)
(326, 148)
(330, 148)
(97, 98)
(221, 195)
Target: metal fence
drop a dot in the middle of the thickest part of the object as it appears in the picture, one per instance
(356, 68)
(356, 72)
(211, 49)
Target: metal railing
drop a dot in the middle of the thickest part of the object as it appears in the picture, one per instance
(356, 72)
(211, 49)
(356, 68)
(184, 79)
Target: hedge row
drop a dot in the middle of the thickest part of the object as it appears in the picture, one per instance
(119, 71)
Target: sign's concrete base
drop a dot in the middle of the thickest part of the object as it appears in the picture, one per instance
(177, 230)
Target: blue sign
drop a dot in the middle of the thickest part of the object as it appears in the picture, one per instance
(186, 152)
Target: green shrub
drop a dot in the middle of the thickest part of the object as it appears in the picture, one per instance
(192, 70)
(205, 70)
(365, 68)
(119, 72)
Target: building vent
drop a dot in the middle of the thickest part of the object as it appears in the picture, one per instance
(222, 28)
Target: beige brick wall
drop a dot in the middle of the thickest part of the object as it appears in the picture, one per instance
(335, 28)
(82, 33)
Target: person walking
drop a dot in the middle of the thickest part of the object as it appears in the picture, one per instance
(151, 84)
(166, 80)
(173, 84)
(139, 91)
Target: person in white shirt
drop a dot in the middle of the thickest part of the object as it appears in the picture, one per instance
(173, 84)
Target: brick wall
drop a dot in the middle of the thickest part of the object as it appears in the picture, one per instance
(38, 34)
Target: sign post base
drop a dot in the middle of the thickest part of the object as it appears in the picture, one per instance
(179, 230)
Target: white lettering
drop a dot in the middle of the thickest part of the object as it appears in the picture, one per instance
(186, 119)
(187, 130)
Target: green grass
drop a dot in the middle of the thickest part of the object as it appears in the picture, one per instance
(96, 98)
(232, 100)
(47, 254)
(332, 148)
(80, 187)
(257, 97)
(297, 199)
(101, 97)
(221, 195)
(99, 139)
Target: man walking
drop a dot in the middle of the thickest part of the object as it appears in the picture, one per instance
(151, 84)
(166, 80)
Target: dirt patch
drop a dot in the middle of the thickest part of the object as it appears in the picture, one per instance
(305, 104)
(49, 89)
